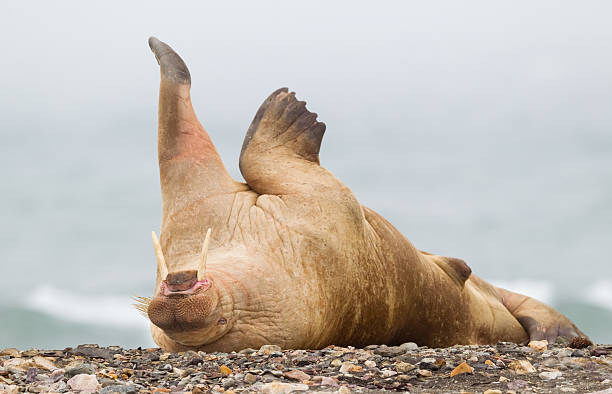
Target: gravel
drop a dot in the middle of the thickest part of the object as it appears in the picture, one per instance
(501, 368)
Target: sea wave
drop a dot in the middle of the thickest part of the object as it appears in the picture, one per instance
(600, 294)
(106, 310)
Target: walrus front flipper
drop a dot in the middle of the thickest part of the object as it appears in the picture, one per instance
(280, 153)
(190, 167)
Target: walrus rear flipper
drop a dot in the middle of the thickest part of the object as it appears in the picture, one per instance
(539, 320)
(280, 153)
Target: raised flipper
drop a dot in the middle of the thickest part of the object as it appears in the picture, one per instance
(538, 319)
(280, 153)
(187, 156)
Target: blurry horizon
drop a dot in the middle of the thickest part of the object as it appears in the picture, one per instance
(480, 130)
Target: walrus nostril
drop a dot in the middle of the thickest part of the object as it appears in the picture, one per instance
(181, 280)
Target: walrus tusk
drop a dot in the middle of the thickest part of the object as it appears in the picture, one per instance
(162, 268)
(202, 267)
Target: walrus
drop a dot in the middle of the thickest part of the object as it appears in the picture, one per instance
(290, 257)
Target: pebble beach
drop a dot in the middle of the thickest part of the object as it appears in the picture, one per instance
(562, 367)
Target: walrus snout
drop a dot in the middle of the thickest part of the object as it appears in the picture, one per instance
(183, 302)
(183, 283)
(181, 280)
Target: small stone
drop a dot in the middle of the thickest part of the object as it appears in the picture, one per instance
(31, 374)
(461, 369)
(500, 364)
(389, 351)
(268, 349)
(343, 390)
(297, 375)
(250, 378)
(225, 371)
(503, 379)
(549, 375)
(30, 353)
(370, 364)
(119, 389)
(12, 389)
(408, 346)
(521, 367)
(424, 373)
(84, 383)
(247, 351)
(43, 363)
(517, 384)
(387, 373)
(94, 351)
(349, 367)
(403, 367)
(493, 391)
(539, 346)
(105, 382)
(77, 370)
(567, 389)
(489, 363)
(10, 351)
(57, 375)
(564, 353)
(473, 359)
(336, 362)
(328, 381)
(282, 388)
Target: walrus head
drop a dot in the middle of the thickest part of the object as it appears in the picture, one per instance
(186, 304)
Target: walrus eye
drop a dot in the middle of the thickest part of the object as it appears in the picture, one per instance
(222, 321)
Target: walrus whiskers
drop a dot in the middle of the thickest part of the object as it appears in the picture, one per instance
(202, 267)
(142, 304)
(162, 268)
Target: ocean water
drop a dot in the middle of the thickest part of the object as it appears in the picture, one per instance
(480, 135)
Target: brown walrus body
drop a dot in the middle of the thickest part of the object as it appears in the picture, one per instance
(294, 259)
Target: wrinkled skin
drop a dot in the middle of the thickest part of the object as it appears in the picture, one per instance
(294, 259)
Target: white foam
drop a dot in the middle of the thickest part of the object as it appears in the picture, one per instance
(541, 290)
(601, 294)
(107, 310)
